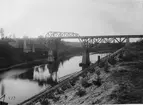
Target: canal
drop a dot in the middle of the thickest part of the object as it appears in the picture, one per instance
(21, 84)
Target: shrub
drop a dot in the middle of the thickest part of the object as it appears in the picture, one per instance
(45, 102)
(80, 92)
(112, 61)
(92, 70)
(53, 97)
(101, 64)
(97, 82)
(65, 87)
(84, 75)
(106, 68)
(85, 84)
(59, 91)
(73, 81)
(98, 73)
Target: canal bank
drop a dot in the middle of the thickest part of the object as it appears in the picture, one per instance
(115, 80)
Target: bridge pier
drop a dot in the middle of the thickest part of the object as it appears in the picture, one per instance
(33, 47)
(127, 41)
(52, 60)
(85, 59)
(50, 56)
(25, 46)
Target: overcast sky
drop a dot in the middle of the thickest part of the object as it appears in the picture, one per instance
(86, 17)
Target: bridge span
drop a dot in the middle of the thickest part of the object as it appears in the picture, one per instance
(86, 41)
(90, 41)
(71, 36)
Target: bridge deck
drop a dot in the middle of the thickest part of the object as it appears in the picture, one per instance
(104, 36)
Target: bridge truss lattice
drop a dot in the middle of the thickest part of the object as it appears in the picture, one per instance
(60, 35)
(91, 41)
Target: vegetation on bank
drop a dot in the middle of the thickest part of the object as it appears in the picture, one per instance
(11, 56)
(116, 80)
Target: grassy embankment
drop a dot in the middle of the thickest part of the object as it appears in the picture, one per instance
(117, 80)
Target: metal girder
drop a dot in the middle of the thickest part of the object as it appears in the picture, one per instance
(61, 34)
(51, 36)
(90, 41)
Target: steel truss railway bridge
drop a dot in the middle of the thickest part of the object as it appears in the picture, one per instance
(87, 41)
(90, 41)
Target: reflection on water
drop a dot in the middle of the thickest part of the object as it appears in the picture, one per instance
(21, 84)
(11, 73)
(41, 73)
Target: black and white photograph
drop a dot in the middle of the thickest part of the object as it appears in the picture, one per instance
(71, 52)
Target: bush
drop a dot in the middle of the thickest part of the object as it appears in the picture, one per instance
(45, 102)
(129, 56)
(84, 75)
(97, 82)
(80, 92)
(73, 81)
(53, 97)
(112, 61)
(98, 73)
(65, 87)
(59, 91)
(101, 64)
(106, 68)
(85, 84)
(92, 70)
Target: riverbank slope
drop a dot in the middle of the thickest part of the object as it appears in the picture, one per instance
(117, 80)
